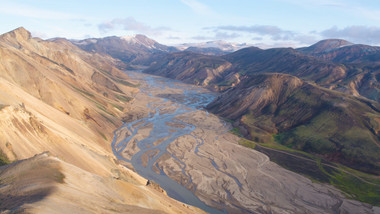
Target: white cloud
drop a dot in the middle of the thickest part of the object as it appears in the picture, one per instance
(199, 8)
(130, 24)
(356, 34)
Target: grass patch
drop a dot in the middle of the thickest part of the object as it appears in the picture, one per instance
(83, 91)
(313, 167)
(101, 107)
(118, 107)
(123, 98)
(3, 159)
(247, 143)
(102, 134)
(236, 131)
(356, 188)
(108, 119)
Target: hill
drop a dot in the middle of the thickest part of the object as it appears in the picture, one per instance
(304, 116)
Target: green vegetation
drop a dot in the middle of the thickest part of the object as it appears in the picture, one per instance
(124, 82)
(123, 98)
(102, 134)
(247, 143)
(225, 83)
(357, 185)
(101, 107)
(3, 159)
(236, 131)
(83, 91)
(117, 106)
(107, 118)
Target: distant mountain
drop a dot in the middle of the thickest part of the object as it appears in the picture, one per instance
(304, 116)
(137, 49)
(227, 47)
(190, 67)
(254, 60)
(207, 51)
(246, 62)
(337, 50)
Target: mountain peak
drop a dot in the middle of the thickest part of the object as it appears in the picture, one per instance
(329, 44)
(21, 32)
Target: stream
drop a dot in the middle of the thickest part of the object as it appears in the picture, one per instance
(165, 130)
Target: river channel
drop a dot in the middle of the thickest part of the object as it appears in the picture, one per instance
(165, 128)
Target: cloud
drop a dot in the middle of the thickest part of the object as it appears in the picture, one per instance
(218, 36)
(130, 24)
(274, 32)
(356, 34)
(199, 8)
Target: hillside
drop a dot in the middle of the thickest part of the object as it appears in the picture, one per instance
(304, 116)
(58, 98)
(190, 67)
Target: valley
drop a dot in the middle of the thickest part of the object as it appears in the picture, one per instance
(87, 127)
(169, 138)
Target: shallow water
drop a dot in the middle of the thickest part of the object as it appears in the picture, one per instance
(165, 125)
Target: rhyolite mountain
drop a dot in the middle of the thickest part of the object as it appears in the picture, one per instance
(137, 49)
(356, 78)
(337, 126)
(190, 67)
(293, 95)
(342, 51)
(56, 97)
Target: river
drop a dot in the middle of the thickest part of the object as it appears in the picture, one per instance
(165, 129)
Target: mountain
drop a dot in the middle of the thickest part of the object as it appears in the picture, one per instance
(341, 51)
(304, 116)
(253, 81)
(243, 63)
(190, 67)
(56, 97)
(358, 79)
(206, 51)
(226, 47)
(137, 49)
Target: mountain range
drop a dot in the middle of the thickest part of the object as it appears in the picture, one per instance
(289, 92)
(61, 101)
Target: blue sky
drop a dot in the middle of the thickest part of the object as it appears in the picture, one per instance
(268, 23)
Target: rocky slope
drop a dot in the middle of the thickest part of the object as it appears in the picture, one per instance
(137, 49)
(358, 77)
(307, 117)
(190, 67)
(56, 97)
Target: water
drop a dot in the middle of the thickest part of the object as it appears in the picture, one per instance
(192, 99)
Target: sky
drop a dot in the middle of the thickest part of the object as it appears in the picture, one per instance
(263, 23)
